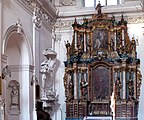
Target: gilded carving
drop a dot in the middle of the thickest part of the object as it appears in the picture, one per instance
(139, 80)
(104, 61)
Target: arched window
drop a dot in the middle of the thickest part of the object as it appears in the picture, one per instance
(93, 3)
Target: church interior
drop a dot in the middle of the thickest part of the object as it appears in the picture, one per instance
(71, 59)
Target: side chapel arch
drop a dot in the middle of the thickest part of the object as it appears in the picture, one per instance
(18, 50)
(14, 30)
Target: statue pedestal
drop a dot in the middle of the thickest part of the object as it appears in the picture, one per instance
(49, 99)
(14, 110)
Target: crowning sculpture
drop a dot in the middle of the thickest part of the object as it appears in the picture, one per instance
(101, 56)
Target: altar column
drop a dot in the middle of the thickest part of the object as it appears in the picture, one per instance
(76, 39)
(123, 37)
(115, 40)
(123, 79)
(84, 41)
(75, 81)
(135, 82)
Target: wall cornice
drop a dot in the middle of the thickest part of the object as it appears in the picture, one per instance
(130, 7)
(45, 10)
(19, 68)
(66, 23)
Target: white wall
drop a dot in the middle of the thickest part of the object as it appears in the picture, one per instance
(20, 54)
(135, 30)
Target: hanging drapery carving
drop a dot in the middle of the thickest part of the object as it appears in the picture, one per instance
(101, 56)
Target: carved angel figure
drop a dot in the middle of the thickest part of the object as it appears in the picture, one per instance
(118, 87)
(84, 86)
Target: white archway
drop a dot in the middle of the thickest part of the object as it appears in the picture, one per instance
(24, 42)
(19, 59)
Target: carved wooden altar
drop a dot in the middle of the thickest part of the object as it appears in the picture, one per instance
(100, 60)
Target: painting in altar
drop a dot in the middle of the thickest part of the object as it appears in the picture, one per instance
(100, 78)
(100, 39)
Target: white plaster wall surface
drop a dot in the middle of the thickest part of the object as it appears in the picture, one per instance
(61, 51)
(45, 40)
(135, 30)
(12, 11)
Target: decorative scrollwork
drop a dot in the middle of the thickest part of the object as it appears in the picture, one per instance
(67, 2)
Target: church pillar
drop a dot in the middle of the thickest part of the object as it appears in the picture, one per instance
(36, 25)
(1, 17)
(2, 102)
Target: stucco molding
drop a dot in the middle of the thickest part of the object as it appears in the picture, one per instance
(110, 9)
(20, 68)
(4, 58)
(134, 20)
(44, 10)
(68, 2)
(66, 23)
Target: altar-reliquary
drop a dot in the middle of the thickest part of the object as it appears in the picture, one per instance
(101, 59)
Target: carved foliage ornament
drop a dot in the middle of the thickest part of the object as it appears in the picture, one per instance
(41, 13)
(68, 2)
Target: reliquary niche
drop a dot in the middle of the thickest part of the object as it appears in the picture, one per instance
(101, 59)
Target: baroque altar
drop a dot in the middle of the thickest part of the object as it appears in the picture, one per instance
(102, 60)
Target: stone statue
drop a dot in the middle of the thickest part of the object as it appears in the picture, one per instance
(130, 85)
(84, 86)
(14, 96)
(112, 106)
(98, 8)
(47, 69)
(118, 87)
(71, 90)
